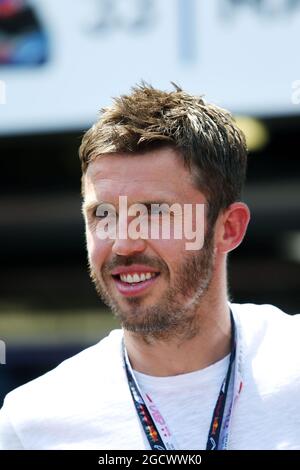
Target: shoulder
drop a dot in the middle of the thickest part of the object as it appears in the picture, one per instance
(77, 369)
(75, 384)
(264, 320)
(271, 347)
(269, 365)
(80, 367)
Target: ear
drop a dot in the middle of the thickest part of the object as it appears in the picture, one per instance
(231, 227)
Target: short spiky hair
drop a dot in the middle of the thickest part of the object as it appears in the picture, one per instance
(206, 136)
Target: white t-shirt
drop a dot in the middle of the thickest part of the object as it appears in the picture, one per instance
(187, 402)
(85, 403)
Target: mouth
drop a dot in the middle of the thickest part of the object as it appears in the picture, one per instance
(134, 283)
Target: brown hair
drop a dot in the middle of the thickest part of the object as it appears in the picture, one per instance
(211, 144)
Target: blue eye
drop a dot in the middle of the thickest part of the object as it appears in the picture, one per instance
(159, 210)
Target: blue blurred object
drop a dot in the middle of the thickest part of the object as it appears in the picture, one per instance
(23, 40)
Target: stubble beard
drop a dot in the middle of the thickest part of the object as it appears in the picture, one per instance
(175, 314)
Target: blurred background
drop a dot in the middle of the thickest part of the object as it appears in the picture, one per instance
(60, 62)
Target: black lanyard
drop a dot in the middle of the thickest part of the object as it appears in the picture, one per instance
(154, 437)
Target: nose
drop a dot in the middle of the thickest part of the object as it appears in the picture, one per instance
(128, 246)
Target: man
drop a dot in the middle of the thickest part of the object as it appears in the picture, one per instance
(189, 369)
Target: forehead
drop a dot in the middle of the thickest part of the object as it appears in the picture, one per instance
(145, 176)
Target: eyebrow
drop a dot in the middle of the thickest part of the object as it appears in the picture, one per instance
(149, 203)
(89, 206)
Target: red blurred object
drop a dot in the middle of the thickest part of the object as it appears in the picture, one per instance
(10, 7)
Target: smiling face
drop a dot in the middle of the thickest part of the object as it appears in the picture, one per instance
(154, 286)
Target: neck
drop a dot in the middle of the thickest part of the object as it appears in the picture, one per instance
(173, 357)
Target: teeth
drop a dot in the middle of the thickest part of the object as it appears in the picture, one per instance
(136, 277)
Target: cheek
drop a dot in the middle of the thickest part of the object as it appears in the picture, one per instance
(170, 251)
(97, 249)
